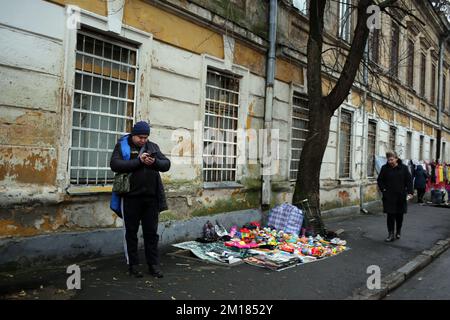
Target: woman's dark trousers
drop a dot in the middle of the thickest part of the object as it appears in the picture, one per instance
(394, 222)
(420, 194)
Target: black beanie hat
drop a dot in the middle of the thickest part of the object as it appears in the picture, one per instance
(140, 127)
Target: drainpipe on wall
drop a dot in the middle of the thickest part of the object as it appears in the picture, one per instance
(366, 83)
(270, 79)
(443, 40)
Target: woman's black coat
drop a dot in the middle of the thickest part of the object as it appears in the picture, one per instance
(395, 184)
(420, 178)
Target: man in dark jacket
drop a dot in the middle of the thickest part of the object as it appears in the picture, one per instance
(420, 182)
(146, 198)
(395, 183)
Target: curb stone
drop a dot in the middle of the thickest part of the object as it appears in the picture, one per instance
(398, 277)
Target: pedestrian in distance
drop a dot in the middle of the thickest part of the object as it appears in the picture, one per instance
(395, 183)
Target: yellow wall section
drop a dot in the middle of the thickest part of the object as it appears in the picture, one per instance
(385, 113)
(249, 58)
(357, 100)
(417, 125)
(327, 86)
(369, 106)
(163, 25)
(95, 6)
(172, 29)
(403, 119)
(287, 72)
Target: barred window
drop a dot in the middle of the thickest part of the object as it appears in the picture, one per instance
(392, 134)
(421, 148)
(371, 143)
(345, 144)
(220, 129)
(374, 45)
(344, 19)
(444, 155)
(395, 44)
(408, 145)
(433, 84)
(410, 72)
(431, 157)
(423, 70)
(103, 107)
(300, 118)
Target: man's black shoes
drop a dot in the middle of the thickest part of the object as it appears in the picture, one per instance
(155, 271)
(133, 272)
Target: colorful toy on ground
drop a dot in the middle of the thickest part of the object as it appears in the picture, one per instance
(315, 247)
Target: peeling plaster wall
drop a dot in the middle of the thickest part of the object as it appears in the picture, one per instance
(33, 102)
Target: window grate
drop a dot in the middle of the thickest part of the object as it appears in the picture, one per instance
(431, 157)
(421, 148)
(392, 134)
(410, 74)
(345, 144)
(103, 108)
(220, 129)
(371, 143)
(344, 20)
(408, 145)
(395, 42)
(433, 85)
(300, 119)
(423, 69)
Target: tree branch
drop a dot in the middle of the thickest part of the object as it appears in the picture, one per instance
(345, 81)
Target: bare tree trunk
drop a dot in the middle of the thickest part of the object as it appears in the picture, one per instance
(321, 108)
(308, 176)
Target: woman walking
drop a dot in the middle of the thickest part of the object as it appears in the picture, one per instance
(395, 183)
(420, 182)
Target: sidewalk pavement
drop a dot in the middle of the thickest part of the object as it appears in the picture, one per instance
(333, 278)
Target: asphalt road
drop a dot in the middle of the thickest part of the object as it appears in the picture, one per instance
(431, 283)
(333, 278)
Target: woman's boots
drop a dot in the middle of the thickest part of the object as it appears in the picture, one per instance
(390, 238)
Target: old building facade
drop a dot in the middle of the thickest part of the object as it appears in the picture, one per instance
(76, 74)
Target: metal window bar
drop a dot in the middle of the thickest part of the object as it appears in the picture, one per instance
(421, 148)
(344, 20)
(410, 73)
(423, 66)
(408, 145)
(300, 119)
(371, 142)
(392, 134)
(105, 87)
(345, 145)
(221, 117)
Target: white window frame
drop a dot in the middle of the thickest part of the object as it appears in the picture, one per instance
(219, 64)
(81, 91)
(143, 41)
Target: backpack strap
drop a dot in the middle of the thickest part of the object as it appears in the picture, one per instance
(125, 147)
